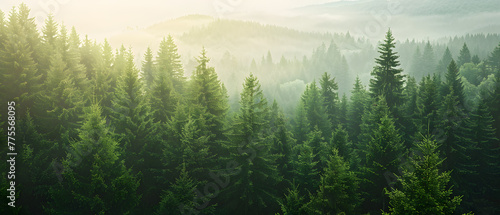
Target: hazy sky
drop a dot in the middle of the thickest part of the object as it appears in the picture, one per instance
(102, 18)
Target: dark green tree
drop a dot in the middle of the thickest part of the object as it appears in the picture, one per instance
(387, 79)
(315, 111)
(293, 203)
(250, 147)
(339, 189)
(94, 179)
(464, 57)
(425, 189)
(131, 115)
(330, 98)
(383, 157)
(359, 98)
(181, 197)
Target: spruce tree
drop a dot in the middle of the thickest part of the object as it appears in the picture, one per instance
(294, 202)
(131, 115)
(306, 173)
(147, 68)
(315, 111)
(94, 179)
(387, 78)
(181, 197)
(344, 104)
(359, 98)
(464, 57)
(168, 62)
(250, 148)
(444, 62)
(425, 188)
(383, 157)
(330, 97)
(427, 106)
(207, 95)
(453, 83)
(339, 189)
(301, 124)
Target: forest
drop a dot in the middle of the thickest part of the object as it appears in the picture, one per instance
(100, 131)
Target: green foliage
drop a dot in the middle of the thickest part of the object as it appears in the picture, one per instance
(131, 115)
(387, 78)
(147, 68)
(359, 98)
(181, 197)
(250, 148)
(338, 192)
(168, 62)
(294, 202)
(425, 189)
(383, 157)
(330, 98)
(315, 111)
(464, 57)
(95, 180)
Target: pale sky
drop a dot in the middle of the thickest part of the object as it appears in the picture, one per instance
(102, 18)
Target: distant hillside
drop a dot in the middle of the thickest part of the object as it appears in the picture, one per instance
(411, 7)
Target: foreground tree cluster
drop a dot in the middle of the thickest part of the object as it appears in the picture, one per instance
(98, 134)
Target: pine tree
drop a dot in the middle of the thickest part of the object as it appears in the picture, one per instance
(250, 147)
(383, 154)
(305, 170)
(453, 83)
(330, 97)
(427, 106)
(444, 62)
(485, 156)
(294, 202)
(147, 68)
(454, 143)
(338, 192)
(494, 59)
(359, 98)
(20, 78)
(343, 110)
(102, 84)
(425, 189)
(95, 180)
(464, 57)
(131, 115)
(168, 62)
(282, 143)
(208, 96)
(301, 124)
(315, 111)
(340, 141)
(163, 97)
(387, 79)
(428, 59)
(64, 102)
(409, 110)
(181, 197)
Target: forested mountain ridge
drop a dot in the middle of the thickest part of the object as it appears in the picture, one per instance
(99, 131)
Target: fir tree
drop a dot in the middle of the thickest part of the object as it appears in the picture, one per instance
(387, 78)
(359, 98)
(148, 68)
(330, 97)
(250, 148)
(338, 192)
(131, 115)
(425, 189)
(464, 57)
(294, 202)
(444, 62)
(181, 197)
(315, 111)
(95, 180)
(168, 62)
(383, 154)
